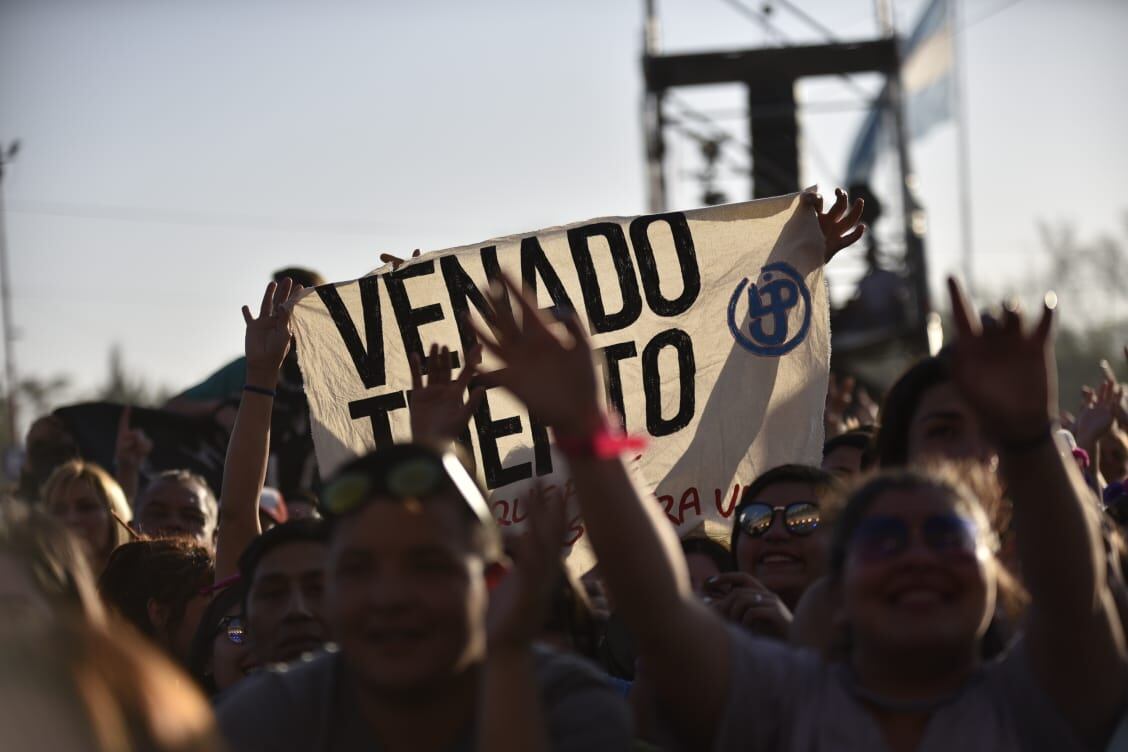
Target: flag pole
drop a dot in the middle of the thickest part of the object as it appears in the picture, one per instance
(963, 148)
(11, 385)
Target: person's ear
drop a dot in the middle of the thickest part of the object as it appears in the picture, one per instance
(495, 574)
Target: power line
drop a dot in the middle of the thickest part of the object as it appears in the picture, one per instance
(1006, 5)
(752, 15)
(827, 33)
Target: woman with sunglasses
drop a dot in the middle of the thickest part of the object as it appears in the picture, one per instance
(780, 545)
(917, 577)
(219, 656)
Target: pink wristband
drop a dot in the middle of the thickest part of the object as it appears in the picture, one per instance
(602, 444)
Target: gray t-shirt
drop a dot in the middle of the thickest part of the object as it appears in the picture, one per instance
(781, 698)
(304, 707)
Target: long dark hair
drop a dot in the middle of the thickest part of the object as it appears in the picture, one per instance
(200, 653)
(900, 407)
(171, 571)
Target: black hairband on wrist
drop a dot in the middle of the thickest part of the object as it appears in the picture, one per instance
(259, 390)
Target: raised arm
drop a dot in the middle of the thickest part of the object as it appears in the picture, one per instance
(438, 412)
(638, 550)
(267, 342)
(130, 450)
(510, 714)
(1073, 637)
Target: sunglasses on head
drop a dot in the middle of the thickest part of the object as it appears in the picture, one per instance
(402, 472)
(800, 517)
(884, 538)
(232, 627)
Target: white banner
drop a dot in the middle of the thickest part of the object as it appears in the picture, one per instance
(712, 326)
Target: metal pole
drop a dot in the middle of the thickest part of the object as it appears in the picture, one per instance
(884, 17)
(652, 117)
(963, 147)
(912, 215)
(6, 157)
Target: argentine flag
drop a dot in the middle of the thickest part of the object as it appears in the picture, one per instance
(926, 78)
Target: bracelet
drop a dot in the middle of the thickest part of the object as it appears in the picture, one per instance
(1026, 444)
(259, 390)
(604, 443)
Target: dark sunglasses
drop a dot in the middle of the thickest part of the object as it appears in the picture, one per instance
(402, 472)
(884, 538)
(232, 626)
(800, 517)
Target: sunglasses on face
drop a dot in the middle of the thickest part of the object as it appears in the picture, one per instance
(884, 538)
(402, 475)
(232, 627)
(800, 518)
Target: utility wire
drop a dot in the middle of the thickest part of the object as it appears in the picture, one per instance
(753, 15)
(1007, 5)
(810, 20)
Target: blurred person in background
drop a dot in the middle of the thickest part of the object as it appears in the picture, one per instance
(706, 557)
(162, 587)
(283, 571)
(179, 504)
(69, 684)
(302, 505)
(92, 506)
(219, 656)
(48, 445)
(44, 569)
(849, 454)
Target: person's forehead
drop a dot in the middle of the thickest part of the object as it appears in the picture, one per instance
(912, 504)
(78, 489)
(173, 491)
(291, 559)
(941, 400)
(843, 456)
(400, 525)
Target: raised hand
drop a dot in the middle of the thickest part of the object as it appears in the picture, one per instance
(519, 605)
(132, 445)
(839, 225)
(1097, 415)
(438, 412)
(1008, 376)
(396, 261)
(1118, 393)
(839, 399)
(268, 337)
(553, 375)
(742, 599)
(131, 448)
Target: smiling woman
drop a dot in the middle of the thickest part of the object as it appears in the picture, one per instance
(780, 532)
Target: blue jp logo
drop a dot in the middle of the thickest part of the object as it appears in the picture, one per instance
(771, 305)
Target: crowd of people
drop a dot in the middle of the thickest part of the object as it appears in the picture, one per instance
(951, 577)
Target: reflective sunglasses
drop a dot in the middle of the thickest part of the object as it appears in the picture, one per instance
(402, 472)
(884, 538)
(232, 626)
(800, 517)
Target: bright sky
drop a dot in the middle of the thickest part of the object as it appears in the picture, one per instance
(175, 153)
